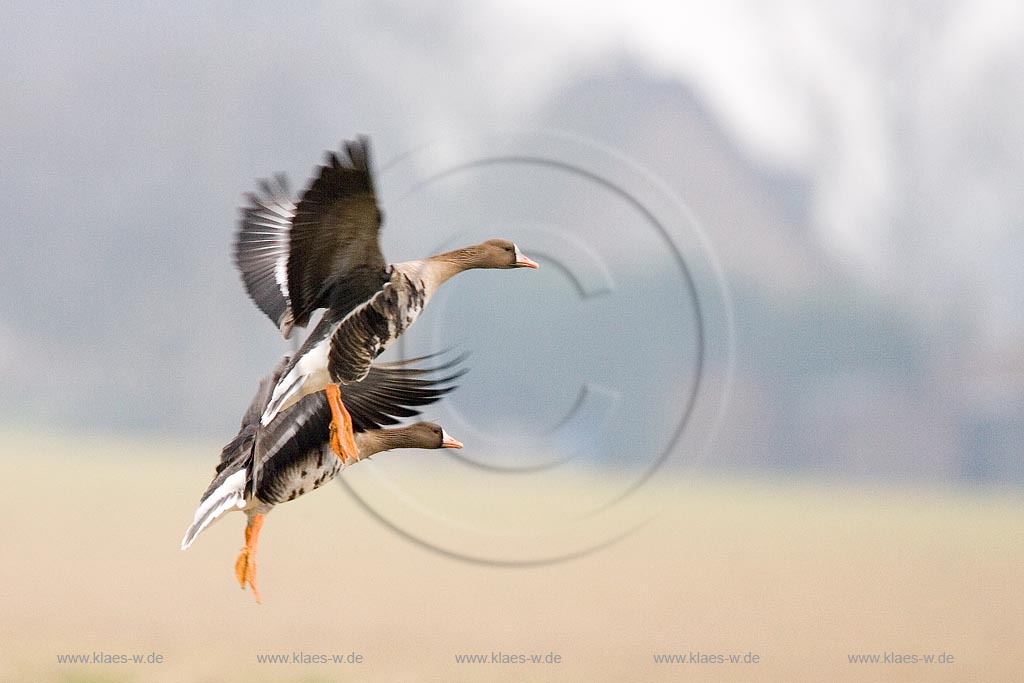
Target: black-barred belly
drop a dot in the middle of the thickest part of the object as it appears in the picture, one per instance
(300, 476)
(364, 335)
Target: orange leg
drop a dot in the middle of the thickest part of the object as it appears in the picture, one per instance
(342, 442)
(245, 565)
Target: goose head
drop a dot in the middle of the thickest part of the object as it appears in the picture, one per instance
(418, 435)
(494, 253)
(429, 435)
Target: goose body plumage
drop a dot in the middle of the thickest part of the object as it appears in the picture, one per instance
(341, 348)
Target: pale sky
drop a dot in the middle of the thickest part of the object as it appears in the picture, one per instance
(140, 128)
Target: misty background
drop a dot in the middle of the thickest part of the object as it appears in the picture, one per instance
(857, 170)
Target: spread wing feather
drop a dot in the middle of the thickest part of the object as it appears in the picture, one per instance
(395, 390)
(261, 249)
(334, 256)
(389, 392)
(239, 448)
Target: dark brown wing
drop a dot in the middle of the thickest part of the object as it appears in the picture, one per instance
(391, 391)
(241, 444)
(334, 257)
(261, 249)
(361, 338)
(263, 393)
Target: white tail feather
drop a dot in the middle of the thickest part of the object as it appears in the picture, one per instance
(228, 496)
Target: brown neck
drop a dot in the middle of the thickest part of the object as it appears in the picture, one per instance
(377, 440)
(451, 263)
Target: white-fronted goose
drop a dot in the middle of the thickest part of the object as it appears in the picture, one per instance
(263, 467)
(324, 252)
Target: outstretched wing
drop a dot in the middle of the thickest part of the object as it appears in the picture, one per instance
(238, 449)
(334, 256)
(261, 249)
(390, 392)
(233, 478)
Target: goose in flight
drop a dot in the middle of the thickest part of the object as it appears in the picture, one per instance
(324, 252)
(261, 468)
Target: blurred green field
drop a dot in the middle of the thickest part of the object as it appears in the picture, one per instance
(800, 574)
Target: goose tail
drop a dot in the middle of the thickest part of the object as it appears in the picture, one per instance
(227, 496)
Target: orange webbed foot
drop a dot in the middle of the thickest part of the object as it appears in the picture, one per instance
(245, 565)
(342, 440)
